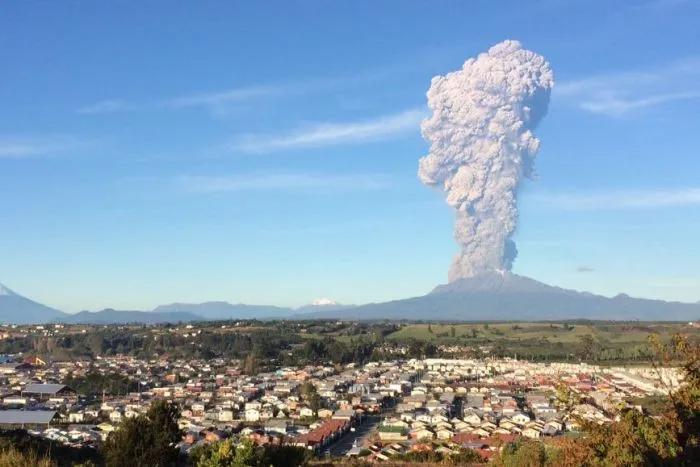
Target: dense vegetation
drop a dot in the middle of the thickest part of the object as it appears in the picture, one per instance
(247, 454)
(299, 342)
(463, 457)
(18, 448)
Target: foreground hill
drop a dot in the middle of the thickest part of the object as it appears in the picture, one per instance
(496, 296)
(16, 309)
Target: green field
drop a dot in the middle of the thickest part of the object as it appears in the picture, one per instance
(552, 332)
(591, 341)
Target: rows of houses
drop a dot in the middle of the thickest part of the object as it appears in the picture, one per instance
(475, 403)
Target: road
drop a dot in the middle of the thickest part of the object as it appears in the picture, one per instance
(361, 434)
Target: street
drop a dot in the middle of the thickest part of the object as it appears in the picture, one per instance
(361, 434)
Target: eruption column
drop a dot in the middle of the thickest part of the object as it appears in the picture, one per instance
(482, 146)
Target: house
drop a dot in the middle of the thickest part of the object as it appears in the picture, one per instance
(507, 424)
(325, 413)
(520, 418)
(398, 423)
(225, 415)
(277, 426)
(47, 391)
(76, 417)
(26, 418)
(444, 433)
(555, 425)
(460, 425)
(115, 416)
(306, 412)
(252, 415)
(532, 432)
(34, 361)
(392, 433)
(472, 418)
(422, 433)
(15, 400)
(344, 414)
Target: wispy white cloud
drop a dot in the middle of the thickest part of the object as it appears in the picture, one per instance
(617, 94)
(221, 98)
(299, 182)
(106, 107)
(43, 145)
(618, 107)
(329, 134)
(620, 200)
(223, 101)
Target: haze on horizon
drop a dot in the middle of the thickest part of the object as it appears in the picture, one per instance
(174, 153)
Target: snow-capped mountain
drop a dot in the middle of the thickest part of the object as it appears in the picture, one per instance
(323, 302)
(323, 305)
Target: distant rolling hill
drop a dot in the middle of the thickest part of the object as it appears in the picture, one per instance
(225, 310)
(15, 309)
(496, 296)
(110, 316)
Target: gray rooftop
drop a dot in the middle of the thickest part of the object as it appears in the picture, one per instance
(44, 388)
(19, 417)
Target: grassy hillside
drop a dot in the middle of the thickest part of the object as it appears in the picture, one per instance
(553, 332)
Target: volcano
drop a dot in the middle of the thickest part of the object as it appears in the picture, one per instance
(15, 309)
(503, 296)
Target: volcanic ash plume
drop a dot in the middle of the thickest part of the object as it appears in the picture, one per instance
(481, 147)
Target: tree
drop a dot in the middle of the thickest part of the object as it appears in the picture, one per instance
(149, 439)
(452, 331)
(671, 439)
(250, 366)
(310, 394)
(430, 328)
(588, 347)
(247, 454)
(430, 350)
(415, 348)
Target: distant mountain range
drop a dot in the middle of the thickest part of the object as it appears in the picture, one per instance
(487, 297)
(506, 296)
(110, 316)
(224, 310)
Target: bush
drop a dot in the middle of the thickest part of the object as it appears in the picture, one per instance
(149, 439)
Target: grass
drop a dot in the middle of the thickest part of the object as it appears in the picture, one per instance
(319, 336)
(554, 332)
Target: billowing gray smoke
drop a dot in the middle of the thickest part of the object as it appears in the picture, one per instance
(482, 146)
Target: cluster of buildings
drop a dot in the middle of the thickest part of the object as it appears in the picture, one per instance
(440, 404)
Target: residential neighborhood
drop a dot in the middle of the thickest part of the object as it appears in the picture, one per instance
(375, 410)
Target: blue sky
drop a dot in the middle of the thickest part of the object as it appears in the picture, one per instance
(162, 151)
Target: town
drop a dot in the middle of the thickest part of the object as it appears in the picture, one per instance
(375, 410)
